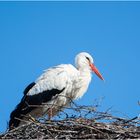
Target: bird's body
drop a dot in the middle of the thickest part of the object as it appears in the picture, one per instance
(54, 90)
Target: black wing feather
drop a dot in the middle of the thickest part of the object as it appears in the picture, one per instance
(25, 106)
(28, 88)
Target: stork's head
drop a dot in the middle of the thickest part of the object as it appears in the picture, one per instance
(85, 61)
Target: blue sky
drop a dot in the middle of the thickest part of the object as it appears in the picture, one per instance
(37, 35)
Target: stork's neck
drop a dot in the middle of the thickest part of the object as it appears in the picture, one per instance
(85, 71)
(82, 82)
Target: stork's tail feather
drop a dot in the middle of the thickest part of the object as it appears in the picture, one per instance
(21, 109)
(16, 116)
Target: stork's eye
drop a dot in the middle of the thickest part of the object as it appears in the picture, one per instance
(87, 58)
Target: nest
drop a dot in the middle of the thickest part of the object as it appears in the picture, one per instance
(86, 124)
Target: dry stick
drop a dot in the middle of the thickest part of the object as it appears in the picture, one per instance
(84, 125)
(116, 128)
(81, 108)
(65, 131)
(29, 121)
(17, 128)
(88, 135)
(93, 128)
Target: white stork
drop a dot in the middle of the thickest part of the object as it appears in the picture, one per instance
(54, 90)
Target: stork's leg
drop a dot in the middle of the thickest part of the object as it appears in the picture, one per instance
(49, 113)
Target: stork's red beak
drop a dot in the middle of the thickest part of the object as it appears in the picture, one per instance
(94, 69)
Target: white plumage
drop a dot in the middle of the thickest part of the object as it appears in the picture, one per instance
(55, 89)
